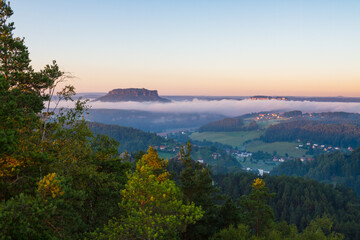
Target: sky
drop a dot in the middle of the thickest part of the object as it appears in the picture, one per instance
(202, 47)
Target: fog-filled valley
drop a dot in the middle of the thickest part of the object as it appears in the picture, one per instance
(193, 113)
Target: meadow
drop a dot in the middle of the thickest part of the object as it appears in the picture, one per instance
(249, 141)
(234, 139)
(282, 148)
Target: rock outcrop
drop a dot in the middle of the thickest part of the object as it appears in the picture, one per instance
(132, 94)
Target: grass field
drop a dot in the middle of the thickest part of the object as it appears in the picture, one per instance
(267, 123)
(235, 139)
(280, 147)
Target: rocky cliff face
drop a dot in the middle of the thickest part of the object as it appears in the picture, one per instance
(132, 94)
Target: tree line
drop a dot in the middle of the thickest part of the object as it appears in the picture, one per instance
(341, 135)
(335, 168)
(229, 125)
(130, 139)
(299, 201)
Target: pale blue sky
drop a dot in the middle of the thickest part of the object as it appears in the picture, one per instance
(298, 47)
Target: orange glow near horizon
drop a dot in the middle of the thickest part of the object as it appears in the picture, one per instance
(241, 85)
(298, 48)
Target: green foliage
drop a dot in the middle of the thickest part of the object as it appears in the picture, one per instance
(152, 203)
(21, 88)
(218, 159)
(341, 135)
(298, 200)
(224, 125)
(130, 139)
(259, 155)
(255, 212)
(80, 175)
(196, 184)
(25, 216)
(241, 232)
(329, 168)
(257, 221)
(196, 181)
(318, 228)
(229, 125)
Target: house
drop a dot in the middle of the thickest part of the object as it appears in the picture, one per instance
(235, 151)
(200, 161)
(216, 155)
(244, 154)
(162, 147)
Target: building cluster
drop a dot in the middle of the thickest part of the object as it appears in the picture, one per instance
(320, 147)
(268, 98)
(257, 170)
(303, 159)
(267, 116)
(276, 159)
(242, 154)
(167, 148)
(215, 155)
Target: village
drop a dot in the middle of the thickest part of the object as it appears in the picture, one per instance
(317, 148)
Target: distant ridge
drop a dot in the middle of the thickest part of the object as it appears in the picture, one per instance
(261, 97)
(132, 94)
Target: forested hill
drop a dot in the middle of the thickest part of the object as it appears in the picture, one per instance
(328, 168)
(299, 200)
(228, 125)
(341, 135)
(130, 139)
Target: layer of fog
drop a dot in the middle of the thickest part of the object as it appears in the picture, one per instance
(227, 107)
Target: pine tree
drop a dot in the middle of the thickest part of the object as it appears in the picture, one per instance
(255, 211)
(152, 203)
(197, 186)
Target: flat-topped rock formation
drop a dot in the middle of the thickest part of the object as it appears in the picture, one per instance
(132, 94)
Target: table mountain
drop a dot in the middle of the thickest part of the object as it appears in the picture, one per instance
(132, 94)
